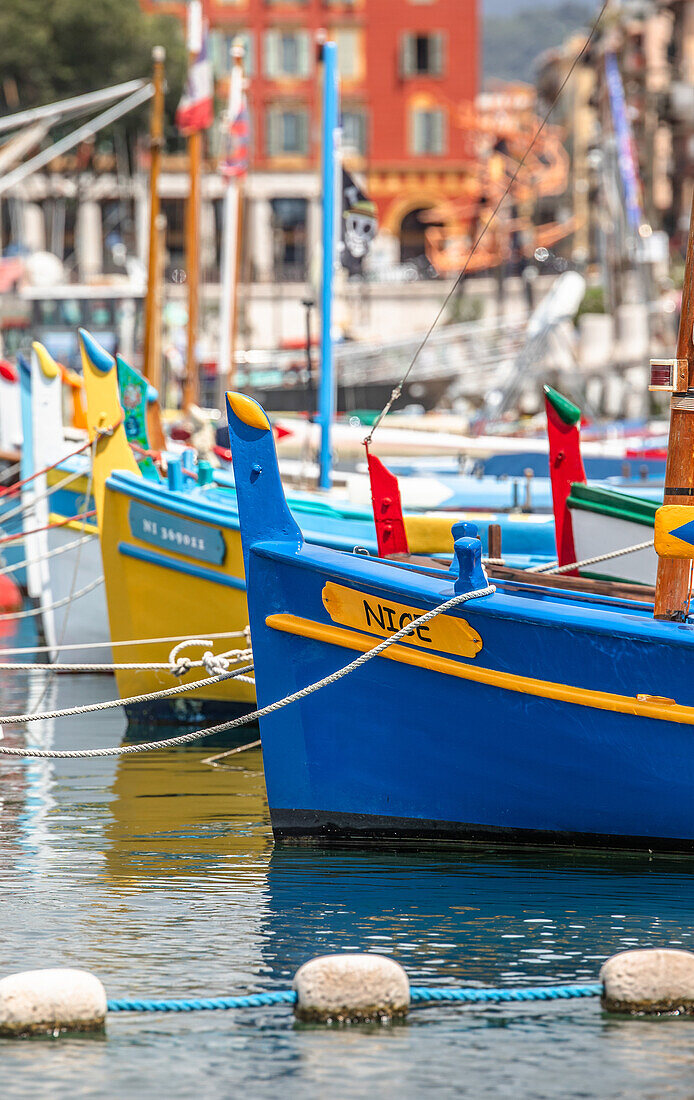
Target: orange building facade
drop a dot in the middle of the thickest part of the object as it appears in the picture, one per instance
(408, 68)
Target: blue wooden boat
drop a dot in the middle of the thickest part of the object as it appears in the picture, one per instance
(533, 714)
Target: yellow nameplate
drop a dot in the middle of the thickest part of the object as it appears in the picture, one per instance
(674, 531)
(383, 618)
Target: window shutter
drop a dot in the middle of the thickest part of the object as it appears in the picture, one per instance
(438, 132)
(302, 128)
(408, 58)
(248, 58)
(437, 44)
(271, 53)
(272, 122)
(304, 52)
(418, 131)
(347, 53)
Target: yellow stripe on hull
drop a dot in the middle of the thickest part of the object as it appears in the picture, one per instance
(82, 525)
(665, 710)
(151, 600)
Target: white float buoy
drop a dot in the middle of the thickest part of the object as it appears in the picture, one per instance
(51, 1000)
(649, 981)
(350, 989)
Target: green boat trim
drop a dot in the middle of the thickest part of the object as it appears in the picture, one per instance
(608, 577)
(609, 502)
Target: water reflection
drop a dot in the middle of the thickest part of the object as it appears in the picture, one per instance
(478, 916)
(158, 873)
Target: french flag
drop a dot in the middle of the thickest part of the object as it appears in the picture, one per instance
(196, 109)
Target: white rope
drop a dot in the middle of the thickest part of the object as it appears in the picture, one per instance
(20, 537)
(10, 471)
(132, 700)
(214, 663)
(213, 761)
(547, 569)
(32, 611)
(303, 693)
(112, 645)
(29, 503)
(44, 557)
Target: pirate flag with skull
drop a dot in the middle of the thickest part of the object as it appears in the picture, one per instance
(359, 225)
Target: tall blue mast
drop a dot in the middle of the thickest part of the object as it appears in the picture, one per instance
(326, 399)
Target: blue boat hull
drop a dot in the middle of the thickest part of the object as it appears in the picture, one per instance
(395, 752)
(528, 713)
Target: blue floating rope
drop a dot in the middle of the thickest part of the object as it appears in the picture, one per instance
(422, 995)
(418, 995)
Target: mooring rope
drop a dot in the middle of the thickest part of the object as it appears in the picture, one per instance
(112, 645)
(111, 704)
(17, 486)
(271, 708)
(29, 504)
(44, 557)
(10, 471)
(215, 663)
(31, 612)
(419, 995)
(20, 536)
(554, 569)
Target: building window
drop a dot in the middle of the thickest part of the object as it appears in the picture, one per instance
(349, 53)
(421, 54)
(428, 131)
(287, 132)
(220, 48)
(287, 54)
(289, 216)
(354, 136)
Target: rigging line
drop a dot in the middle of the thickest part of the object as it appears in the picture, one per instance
(461, 274)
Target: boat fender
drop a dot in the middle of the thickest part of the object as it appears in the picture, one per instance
(351, 988)
(649, 982)
(10, 596)
(51, 1001)
(471, 574)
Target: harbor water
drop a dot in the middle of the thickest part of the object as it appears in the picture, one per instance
(158, 874)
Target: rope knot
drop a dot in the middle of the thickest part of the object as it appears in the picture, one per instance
(180, 665)
(215, 664)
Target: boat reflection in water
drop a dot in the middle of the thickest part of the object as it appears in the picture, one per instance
(171, 813)
(476, 916)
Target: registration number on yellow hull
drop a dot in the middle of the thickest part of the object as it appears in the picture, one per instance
(362, 611)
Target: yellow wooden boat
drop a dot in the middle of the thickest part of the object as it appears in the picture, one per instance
(172, 556)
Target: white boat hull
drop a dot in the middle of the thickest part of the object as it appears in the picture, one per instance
(83, 620)
(595, 534)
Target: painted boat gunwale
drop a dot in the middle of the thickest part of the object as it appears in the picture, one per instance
(571, 614)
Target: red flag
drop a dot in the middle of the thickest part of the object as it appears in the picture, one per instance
(234, 160)
(196, 109)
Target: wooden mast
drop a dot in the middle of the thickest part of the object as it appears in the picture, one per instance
(231, 242)
(156, 141)
(672, 585)
(192, 227)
